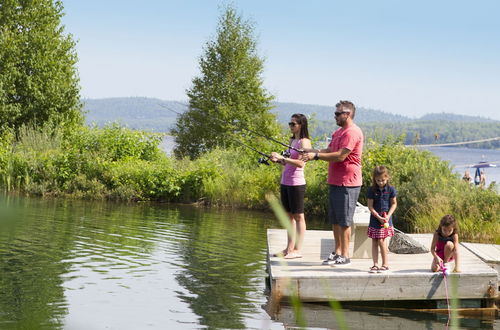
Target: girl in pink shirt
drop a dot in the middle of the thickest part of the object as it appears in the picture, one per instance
(293, 184)
(444, 246)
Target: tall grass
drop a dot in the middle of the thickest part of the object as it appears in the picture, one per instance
(428, 189)
(117, 163)
(237, 182)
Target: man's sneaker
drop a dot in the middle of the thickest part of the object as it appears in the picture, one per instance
(331, 259)
(341, 261)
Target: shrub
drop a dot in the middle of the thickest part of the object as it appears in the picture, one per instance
(238, 180)
(117, 163)
(428, 189)
(114, 143)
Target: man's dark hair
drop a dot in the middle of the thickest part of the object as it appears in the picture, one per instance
(347, 105)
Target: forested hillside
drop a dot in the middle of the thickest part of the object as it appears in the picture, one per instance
(438, 132)
(426, 132)
(453, 117)
(151, 113)
(154, 115)
(323, 112)
(135, 112)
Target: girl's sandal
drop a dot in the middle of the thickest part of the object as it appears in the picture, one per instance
(383, 269)
(373, 269)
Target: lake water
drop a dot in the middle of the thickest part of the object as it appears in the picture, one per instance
(89, 265)
(462, 158)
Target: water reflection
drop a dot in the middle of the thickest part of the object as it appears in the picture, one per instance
(88, 265)
(31, 289)
(62, 261)
(224, 261)
(321, 316)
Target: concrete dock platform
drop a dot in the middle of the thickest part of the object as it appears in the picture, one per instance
(409, 277)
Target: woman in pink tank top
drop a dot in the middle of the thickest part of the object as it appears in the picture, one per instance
(293, 184)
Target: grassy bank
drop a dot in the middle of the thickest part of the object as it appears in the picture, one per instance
(121, 164)
(428, 189)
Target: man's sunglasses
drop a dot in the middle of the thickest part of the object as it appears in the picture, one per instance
(339, 113)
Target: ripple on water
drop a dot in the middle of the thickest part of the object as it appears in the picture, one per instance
(92, 265)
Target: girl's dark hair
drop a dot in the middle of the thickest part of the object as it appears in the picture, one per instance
(302, 121)
(447, 220)
(378, 171)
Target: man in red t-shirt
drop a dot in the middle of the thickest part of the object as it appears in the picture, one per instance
(344, 178)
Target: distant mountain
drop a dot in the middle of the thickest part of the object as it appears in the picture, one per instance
(135, 112)
(363, 115)
(159, 116)
(153, 114)
(437, 132)
(453, 117)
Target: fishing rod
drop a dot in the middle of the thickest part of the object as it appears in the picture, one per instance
(285, 153)
(263, 160)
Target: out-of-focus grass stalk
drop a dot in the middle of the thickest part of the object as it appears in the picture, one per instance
(296, 304)
(281, 214)
(297, 309)
(454, 322)
(285, 222)
(336, 307)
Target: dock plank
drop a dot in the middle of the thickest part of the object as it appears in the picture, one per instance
(409, 277)
(489, 253)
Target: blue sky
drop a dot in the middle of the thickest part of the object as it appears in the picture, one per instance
(405, 57)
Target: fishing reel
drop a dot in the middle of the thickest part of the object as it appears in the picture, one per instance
(263, 160)
(286, 153)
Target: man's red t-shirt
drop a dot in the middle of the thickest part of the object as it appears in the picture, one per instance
(348, 172)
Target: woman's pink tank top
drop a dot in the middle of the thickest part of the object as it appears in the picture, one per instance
(293, 175)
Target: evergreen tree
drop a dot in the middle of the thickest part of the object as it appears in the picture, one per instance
(38, 77)
(228, 94)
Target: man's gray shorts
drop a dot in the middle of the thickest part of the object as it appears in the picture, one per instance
(342, 204)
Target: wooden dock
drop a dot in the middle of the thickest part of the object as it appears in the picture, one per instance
(489, 253)
(409, 277)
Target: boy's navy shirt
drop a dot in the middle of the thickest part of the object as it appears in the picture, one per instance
(381, 201)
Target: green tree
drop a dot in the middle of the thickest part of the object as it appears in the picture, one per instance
(228, 94)
(38, 77)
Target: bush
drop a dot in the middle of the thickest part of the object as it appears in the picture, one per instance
(428, 189)
(238, 180)
(316, 198)
(117, 163)
(115, 143)
(148, 180)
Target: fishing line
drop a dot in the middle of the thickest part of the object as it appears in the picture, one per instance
(240, 127)
(445, 273)
(263, 160)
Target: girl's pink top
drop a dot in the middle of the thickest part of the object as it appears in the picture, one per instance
(440, 244)
(293, 175)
